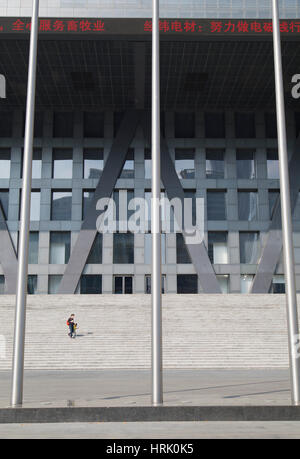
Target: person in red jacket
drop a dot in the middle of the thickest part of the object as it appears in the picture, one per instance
(71, 323)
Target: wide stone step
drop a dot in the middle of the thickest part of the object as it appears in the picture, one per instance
(199, 331)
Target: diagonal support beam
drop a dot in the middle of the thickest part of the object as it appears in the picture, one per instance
(104, 189)
(198, 252)
(273, 247)
(8, 256)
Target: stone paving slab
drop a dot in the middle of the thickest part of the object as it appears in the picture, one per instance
(157, 430)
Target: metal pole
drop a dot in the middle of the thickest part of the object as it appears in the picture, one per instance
(20, 317)
(287, 231)
(157, 391)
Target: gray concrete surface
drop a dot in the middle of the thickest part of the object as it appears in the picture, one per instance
(158, 430)
(130, 388)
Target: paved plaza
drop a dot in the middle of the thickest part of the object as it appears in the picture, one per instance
(132, 387)
(129, 388)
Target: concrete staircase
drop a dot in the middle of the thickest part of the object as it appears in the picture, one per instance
(200, 331)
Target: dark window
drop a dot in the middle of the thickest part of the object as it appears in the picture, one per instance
(32, 284)
(182, 254)
(187, 283)
(2, 285)
(88, 196)
(123, 248)
(63, 124)
(297, 123)
(271, 125)
(91, 284)
(123, 284)
(215, 164)
(214, 125)
(93, 124)
(216, 205)
(95, 256)
(128, 284)
(38, 124)
(184, 125)
(163, 124)
(6, 120)
(245, 125)
(273, 199)
(61, 208)
(278, 287)
(118, 117)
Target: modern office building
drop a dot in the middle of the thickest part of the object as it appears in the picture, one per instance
(93, 101)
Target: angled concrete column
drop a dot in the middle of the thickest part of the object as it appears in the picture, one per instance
(273, 247)
(106, 184)
(198, 252)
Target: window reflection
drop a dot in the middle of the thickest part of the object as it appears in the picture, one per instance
(128, 169)
(87, 196)
(90, 284)
(187, 283)
(92, 163)
(249, 247)
(215, 164)
(217, 247)
(61, 208)
(185, 163)
(216, 205)
(245, 161)
(33, 252)
(273, 164)
(248, 205)
(60, 247)
(62, 163)
(4, 163)
(123, 248)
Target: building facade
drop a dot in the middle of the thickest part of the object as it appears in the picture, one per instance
(219, 134)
